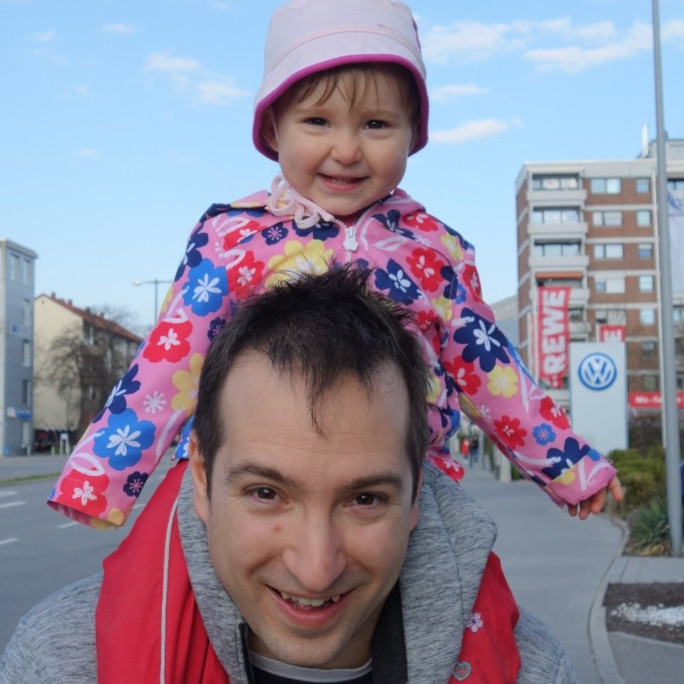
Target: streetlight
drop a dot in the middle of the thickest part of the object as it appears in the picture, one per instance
(156, 284)
(669, 358)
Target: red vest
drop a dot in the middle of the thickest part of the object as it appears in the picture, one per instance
(151, 631)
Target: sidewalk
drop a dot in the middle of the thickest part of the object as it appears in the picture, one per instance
(559, 568)
(12, 467)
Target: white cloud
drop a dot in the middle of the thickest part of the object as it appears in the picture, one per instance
(474, 130)
(87, 152)
(449, 92)
(673, 31)
(171, 65)
(118, 29)
(469, 41)
(44, 36)
(574, 58)
(558, 44)
(189, 76)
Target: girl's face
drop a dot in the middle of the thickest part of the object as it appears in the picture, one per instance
(344, 147)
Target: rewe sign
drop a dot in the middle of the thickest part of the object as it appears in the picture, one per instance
(554, 334)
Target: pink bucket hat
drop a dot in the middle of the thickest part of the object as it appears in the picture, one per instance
(307, 36)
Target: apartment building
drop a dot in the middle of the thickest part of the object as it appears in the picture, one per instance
(79, 355)
(587, 236)
(17, 268)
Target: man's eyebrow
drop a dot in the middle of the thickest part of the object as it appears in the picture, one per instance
(260, 471)
(376, 480)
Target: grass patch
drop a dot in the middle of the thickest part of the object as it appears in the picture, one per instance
(10, 482)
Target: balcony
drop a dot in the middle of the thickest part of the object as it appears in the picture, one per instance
(559, 263)
(552, 197)
(555, 231)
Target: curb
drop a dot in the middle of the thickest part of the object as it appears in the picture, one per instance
(601, 649)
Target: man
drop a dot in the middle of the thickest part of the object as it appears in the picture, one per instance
(305, 542)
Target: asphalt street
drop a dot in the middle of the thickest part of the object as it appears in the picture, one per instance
(41, 550)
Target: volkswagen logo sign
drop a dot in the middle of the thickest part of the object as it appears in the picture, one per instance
(597, 371)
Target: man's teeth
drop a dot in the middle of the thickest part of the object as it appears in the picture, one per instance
(309, 603)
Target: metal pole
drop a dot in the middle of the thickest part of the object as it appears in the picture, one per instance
(670, 411)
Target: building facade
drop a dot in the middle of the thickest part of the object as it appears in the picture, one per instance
(79, 356)
(17, 266)
(587, 237)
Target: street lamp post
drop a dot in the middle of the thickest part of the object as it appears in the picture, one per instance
(670, 411)
(156, 284)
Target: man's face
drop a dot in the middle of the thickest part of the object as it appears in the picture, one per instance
(307, 532)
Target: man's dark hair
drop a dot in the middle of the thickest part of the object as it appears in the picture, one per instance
(321, 328)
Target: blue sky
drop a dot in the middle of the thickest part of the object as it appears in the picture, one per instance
(123, 120)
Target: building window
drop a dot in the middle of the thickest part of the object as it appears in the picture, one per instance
(14, 266)
(647, 316)
(643, 185)
(610, 250)
(675, 184)
(645, 250)
(643, 218)
(27, 272)
(25, 353)
(576, 315)
(606, 186)
(607, 218)
(646, 283)
(556, 215)
(651, 383)
(609, 285)
(557, 182)
(556, 249)
(648, 349)
(26, 393)
(678, 314)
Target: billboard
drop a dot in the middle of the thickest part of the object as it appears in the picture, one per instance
(675, 212)
(553, 331)
(598, 393)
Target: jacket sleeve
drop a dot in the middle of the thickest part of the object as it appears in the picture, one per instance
(111, 462)
(498, 393)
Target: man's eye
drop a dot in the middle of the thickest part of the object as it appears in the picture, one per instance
(366, 499)
(264, 493)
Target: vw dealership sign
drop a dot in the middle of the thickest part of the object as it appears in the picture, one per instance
(598, 393)
(597, 371)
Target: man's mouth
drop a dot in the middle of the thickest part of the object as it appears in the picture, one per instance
(302, 602)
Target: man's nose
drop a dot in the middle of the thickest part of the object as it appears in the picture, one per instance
(315, 554)
(346, 147)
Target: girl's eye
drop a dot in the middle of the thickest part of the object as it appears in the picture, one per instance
(316, 121)
(376, 123)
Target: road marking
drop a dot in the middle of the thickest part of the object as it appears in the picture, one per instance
(13, 503)
(8, 541)
(7, 492)
(69, 524)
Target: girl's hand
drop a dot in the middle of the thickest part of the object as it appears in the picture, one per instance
(594, 504)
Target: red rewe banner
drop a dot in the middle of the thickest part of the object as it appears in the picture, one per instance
(554, 334)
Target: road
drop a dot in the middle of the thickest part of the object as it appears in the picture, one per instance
(42, 551)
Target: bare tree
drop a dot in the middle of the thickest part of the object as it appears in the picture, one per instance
(85, 362)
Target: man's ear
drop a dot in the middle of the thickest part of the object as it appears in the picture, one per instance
(200, 490)
(268, 129)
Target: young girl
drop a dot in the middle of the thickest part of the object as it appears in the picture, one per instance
(342, 105)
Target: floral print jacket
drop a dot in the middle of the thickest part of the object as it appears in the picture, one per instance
(236, 249)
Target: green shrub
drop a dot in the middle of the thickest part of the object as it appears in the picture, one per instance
(650, 528)
(640, 487)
